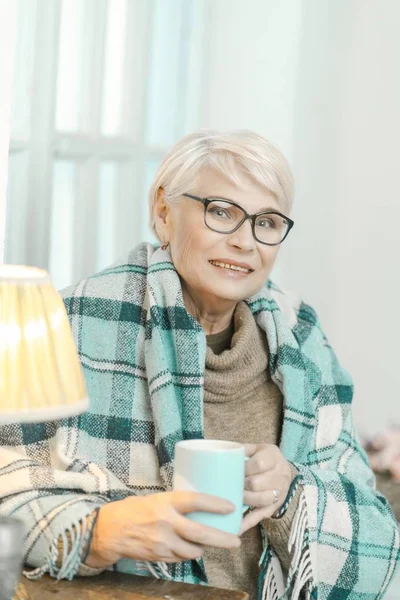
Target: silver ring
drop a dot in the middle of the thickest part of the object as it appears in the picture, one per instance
(276, 495)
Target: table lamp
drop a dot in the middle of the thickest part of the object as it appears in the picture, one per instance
(40, 378)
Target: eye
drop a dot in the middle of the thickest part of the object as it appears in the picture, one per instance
(266, 223)
(220, 213)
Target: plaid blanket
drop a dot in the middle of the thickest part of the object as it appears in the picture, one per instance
(143, 357)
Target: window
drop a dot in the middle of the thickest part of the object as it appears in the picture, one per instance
(102, 89)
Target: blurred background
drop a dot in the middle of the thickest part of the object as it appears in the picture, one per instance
(100, 89)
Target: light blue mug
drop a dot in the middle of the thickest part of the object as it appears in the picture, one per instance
(212, 467)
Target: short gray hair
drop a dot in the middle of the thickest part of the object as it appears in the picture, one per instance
(231, 153)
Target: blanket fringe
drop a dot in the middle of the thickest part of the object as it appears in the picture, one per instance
(300, 581)
(67, 565)
(157, 568)
(300, 571)
(270, 588)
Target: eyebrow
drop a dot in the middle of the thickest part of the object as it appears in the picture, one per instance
(230, 200)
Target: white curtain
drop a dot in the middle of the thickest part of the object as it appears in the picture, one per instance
(102, 89)
(7, 46)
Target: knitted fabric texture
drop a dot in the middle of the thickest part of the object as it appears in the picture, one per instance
(242, 404)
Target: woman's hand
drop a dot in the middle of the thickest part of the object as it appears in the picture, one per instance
(268, 479)
(154, 528)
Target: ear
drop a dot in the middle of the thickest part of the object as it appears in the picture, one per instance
(161, 216)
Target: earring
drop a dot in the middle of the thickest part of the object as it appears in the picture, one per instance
(165, 246)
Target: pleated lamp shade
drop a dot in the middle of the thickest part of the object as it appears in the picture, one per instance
(40, 374)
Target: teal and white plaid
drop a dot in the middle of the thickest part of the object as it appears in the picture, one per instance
(143, 357)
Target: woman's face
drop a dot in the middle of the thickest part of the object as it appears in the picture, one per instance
(195, 248)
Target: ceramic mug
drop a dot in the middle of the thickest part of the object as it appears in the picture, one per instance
(212, 467)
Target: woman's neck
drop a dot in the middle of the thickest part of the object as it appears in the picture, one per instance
(212, 316)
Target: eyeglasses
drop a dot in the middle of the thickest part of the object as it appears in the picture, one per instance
(225, 216)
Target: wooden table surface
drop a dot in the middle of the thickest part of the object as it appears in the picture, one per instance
(118, 586)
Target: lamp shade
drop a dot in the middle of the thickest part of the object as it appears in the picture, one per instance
(40, 374)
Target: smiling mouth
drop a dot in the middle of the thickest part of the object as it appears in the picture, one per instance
(230, 267)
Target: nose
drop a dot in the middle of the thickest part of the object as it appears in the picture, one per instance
(243, 237)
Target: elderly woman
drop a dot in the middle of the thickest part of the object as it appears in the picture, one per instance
(192, 340)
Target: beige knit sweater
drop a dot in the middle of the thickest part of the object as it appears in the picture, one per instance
(242, 404)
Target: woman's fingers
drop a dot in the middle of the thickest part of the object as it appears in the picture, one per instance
(203, 535)
(262, 482)
(254, 517)
(262, 458)
(265, 489)
(184, 550)
(187, 502)
(262, 499)
(195, 533)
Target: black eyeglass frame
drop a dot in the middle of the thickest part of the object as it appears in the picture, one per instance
(252, 218)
